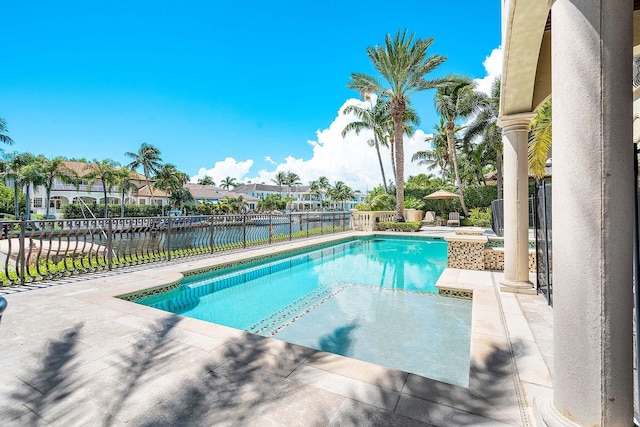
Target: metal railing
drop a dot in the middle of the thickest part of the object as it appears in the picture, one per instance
(49, 249)
(497, 216)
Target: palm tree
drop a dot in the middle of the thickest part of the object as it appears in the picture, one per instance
(53, 169)
(124, 184)
(207, 180)
(228, 183)
(291, 180)
(340, 192)
(372, 119)
(485, 126)
(439, 155)
(280, 179)
(11, 167)
(540, 139)
(105, 171)
(31, 174)
(180, 196)
(147, 157)
(453, 101)
(4, 138)
(403, 62)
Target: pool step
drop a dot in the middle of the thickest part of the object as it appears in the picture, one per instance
(267, 325)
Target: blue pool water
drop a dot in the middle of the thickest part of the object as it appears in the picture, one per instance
(369, 299)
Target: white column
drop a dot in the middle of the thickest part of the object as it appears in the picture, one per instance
(515, 131)
(592, 214)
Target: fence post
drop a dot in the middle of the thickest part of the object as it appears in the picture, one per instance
(244, 230)
(211, 238)
(109, 241)
(307, 224)
(290, 226)
(169, 237)
(21, 250)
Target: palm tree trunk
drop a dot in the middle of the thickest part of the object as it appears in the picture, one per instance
(454, 159)
(16, 203)
(392, 148)
(48, 202)
(27, 210)
(384, 179)
(104, 189)
(122, 205)
(397, 111)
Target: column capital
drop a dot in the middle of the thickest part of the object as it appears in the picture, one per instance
(514, 122)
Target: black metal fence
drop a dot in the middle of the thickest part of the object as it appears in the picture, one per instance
(49, 249)
(497, 215)
(544, 276)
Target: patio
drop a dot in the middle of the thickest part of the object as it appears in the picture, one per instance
(74, 355)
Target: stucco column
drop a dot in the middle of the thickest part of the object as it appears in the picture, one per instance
(515, 131)
(592, 213)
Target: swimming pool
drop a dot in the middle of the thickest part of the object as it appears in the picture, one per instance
(371, 299)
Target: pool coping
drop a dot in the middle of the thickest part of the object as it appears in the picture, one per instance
(399, 392)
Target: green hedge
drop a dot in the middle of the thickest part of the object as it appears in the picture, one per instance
(79, 211)
(399, 226)
(475, 196)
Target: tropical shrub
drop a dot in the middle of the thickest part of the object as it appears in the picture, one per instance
(478, 217)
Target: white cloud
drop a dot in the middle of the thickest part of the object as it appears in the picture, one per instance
(270, 160)
(228, 167)
(348, 159)
(493, 66)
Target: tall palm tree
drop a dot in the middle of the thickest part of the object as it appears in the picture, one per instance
(371, 119)
(454, 101)
(438, 157)
(403, 63)
(124, 177)
(228, 183)
(147, 157)
(53, 169)
(485, 126)
(105, 171)
(540, 139)
(207, 180)
(4, 138)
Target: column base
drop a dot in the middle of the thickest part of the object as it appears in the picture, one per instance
(517, 287)
(547, 415)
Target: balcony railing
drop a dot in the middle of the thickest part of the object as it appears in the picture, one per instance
(50, 249)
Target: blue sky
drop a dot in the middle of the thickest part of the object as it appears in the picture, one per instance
(241, 88)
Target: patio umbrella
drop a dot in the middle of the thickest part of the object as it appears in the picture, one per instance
(441, 194)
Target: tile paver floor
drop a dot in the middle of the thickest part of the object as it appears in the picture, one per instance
(72, 354)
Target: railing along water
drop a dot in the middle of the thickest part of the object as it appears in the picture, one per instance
(50, 249)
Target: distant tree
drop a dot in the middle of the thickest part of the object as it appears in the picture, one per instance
(280, 179)
(228, 183)
(291, 180)
(340, 192)
(53, 169)
(179, 197)
(148, 158)
(105, 171)
(207, 180)
(31, 175)
(11, 167)
(124, 177)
